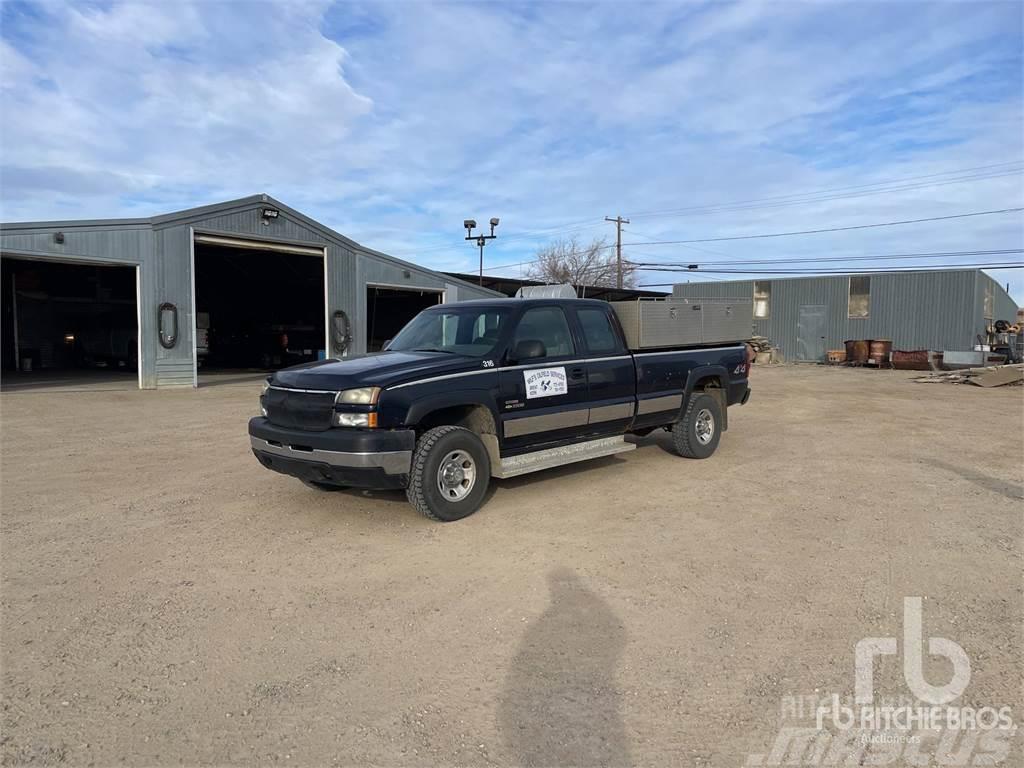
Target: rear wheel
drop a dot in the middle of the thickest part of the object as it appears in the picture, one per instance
(450, 474)
(695, 434)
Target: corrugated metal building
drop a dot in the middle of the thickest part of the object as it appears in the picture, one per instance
(248, 283)
(805, 316)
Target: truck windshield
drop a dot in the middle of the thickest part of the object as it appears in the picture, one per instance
(469, 331)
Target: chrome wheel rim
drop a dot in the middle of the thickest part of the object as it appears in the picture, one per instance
(456, 475)
(704, 426)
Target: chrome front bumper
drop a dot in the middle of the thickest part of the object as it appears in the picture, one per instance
(391, 462)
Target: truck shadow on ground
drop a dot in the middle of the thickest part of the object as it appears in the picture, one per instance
(390, 499)
(560, 704)
(566, 470)
(659, 437)
(998, 485)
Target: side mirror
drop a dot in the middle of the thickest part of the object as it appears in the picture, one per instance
(529, 349)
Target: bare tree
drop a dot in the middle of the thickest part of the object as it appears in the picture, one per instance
(569, 261)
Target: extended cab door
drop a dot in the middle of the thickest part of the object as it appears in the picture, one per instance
(611, 375)
(542, 399)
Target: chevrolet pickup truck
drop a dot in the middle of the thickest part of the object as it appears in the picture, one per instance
(491, 388)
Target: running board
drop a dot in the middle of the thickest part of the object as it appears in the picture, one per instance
(566, 454)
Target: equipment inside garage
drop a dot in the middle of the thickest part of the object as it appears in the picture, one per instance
(389, 309)
(61, 317)
(258, 308)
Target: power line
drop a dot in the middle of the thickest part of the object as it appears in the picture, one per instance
(972, 175)
(708, 211)
(829, 229)
(650, 239)
(586, 224)
(529, 234)
(811, 273)
(782, 234)
(812, 259)
(909, 268)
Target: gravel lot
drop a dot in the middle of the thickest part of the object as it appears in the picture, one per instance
(168, 601)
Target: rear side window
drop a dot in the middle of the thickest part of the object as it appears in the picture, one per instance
(597, 331)
(548, 326)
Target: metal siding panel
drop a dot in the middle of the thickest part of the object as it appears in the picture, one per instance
(174, 285)
(1004, 305)
(917, 310)
(342, 295)
(164, 254)
(131, 245)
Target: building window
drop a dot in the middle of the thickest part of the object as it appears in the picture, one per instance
(860, 296)
(762, 298)
(989, 300)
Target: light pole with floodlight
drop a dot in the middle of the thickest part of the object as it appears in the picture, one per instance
(481, 240)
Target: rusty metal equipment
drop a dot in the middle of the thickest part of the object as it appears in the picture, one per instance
(911, 360)
(880, 352)
(857, 351)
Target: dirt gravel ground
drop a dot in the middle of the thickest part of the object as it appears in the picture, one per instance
(168, 601)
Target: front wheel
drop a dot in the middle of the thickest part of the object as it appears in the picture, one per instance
(695, 434)
(450, 474)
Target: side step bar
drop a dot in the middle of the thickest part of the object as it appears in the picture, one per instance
(566, 454)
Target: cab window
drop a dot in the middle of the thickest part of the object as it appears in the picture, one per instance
(548, 326)
(598, 333)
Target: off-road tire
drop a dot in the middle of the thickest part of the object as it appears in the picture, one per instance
(317, 485)
(423, 491)
(685, 438)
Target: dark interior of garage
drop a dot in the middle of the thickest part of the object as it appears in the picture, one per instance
(60, 317)
(257, 309)
(389, 309)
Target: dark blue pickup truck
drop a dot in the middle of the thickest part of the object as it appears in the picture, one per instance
(496, 388)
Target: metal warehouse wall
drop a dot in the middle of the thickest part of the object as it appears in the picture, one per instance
(1003, 306)
(917, 310)
(162, 248)
(124, 243)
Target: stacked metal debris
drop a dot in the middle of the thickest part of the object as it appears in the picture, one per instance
(764, 351)
(990, 376)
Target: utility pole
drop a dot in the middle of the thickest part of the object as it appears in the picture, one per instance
(619, 221)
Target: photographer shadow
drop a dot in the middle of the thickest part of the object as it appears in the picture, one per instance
(560, 705)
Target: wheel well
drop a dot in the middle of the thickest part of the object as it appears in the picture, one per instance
(712, 385)
(476, 418)
(707, 382)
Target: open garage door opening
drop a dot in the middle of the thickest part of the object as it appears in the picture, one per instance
(258, 306)
(389, 309)
(68, 324)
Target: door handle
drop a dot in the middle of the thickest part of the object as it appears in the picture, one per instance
(577, 373)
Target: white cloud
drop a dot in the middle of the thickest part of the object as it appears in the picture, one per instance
(393, 122)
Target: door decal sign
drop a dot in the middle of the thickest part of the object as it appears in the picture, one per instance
(545, 382)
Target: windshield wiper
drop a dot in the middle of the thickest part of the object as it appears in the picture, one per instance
(434, 349)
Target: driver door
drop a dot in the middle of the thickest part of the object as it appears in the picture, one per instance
(543, 400)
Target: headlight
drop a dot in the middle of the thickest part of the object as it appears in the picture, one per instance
(355, 419)
(263, 391)
(363, 396)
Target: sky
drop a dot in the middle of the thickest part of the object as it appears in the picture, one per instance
(393, 122)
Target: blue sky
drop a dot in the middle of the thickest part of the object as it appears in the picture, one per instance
(392, 122)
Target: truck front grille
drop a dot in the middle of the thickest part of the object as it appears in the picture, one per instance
(296, 409)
